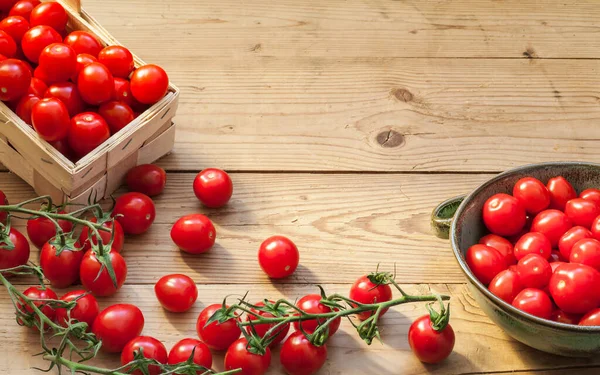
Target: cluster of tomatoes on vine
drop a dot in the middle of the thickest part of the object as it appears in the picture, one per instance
(543, 253)
(74, 91)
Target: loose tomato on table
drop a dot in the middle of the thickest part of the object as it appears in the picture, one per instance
(218, 336)
(504, 215)
(41, 230)
(117, 325)
(150, 348)
(591, 195)
(96, 84)
(238, 356)
(15, 79)
(429, 344)
(586, 251)
(67, 93)
(36, 39)
(278, 257)
(570, 238)
(194, 234)
(176, 292)
(553, 224)
(592, 318)
(149, 84)
(15, 26)
(299, 356)
(50, 14)
(25, 107)
(533, 243)
(95, 277)
(506, 285)
(18, 255)
(88, 130)
(574, 288)
(533, 194)
(534, 271)
(147, 179)
(182, 350)
(561, 191)
(311, 304)
(22, 8)
(105, 236)
(62, 270)
(39, 293)
(84, 42)
(86, 309)
(367, 290)
(213, 187)
(50, 118)
(582, 212)
(135, 212)
(262, 329)
(117, 116)
(485, 262)
(534, 302)
(118, 60)
(504, 246)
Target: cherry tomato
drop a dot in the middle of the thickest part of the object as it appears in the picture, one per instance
(504, 246)
(429, 345)
(50, 14)
(561, 191)
(149, 84)
(3, 215)
(25, 107)
(534, 302)
(586, 251)
(23, 8)
(299, 356)
(592, 318)
(38, 292)
(118, 60)
(135, 212)
(506, 285)
(574, 288)
(278, 257)
(563, 317)
(239, 357)
(117, 115)
(119, 237)
(504, 215)
(84, 42)
(213, 187)
(67, 93)
(194, 234)
(8, 47)
(311, 304)
(123, 91)
(117, 325)
(367, 292)
(534, 271)
(86, 310)
(591, 195)
(570, 238)
(59, 61)
(176, 293)
(50, 118)
(533, 243)
(216, 336)
(15, 26)
(88, 130)
(582, 211)
(148, 179)
(83, 60)
(36, 39)
(182, 350)
(61, 270)
(17, 256)
(262, 329)
(485, 262)
(62, 147)
(41, 230)
(553, 224)
(15, 79)
(37, 87)
(98, 282)
(533, 194)
(96, 84)
(150, 347)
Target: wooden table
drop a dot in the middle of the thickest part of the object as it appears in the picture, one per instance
(343, 123)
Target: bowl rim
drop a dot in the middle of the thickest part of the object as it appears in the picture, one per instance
(482, 288)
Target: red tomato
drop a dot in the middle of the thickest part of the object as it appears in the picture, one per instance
(429, 345)
(36, 39)
(83, 60)
(553, 224)
(50, 14)
(574, 288)
(117, 115)
(123, 91)
(533, 243)
(118, 240)
(533, 194)
(591, 195)
(504, 215)
(86, 310)
(67, 93)
(278, 257)
(570, 238)
(25, 107)
(84, 42)
(50, 118)
(181, 352)
(216, 336)
(117, 325)
(213, 187)
(15, 79)
(61, 270)
(88, 130)
(98, 282)
(194, 234)
(62, 146)
(506, 285)
(8, 47)
(40, 74)
(41, 230)
(555, 265)
(239, 357)
(563, 317)
(148, 179)
(262, 329)
(149, 84)
(22, 8)
(96, 84)
(176, 293)
(504, 246)
(37, 87)
(4, 202)
(118, 60)
(561, 191)
(367, 292)
(15, 26)
(17, 256)
(311, 304)
(299, 356)
(534, 302)
(582, 211)
(586, 251)
(150, 347)
(59, 61)
(485, 262)
(592, 318)
(38, 292)
(135, 212)
(534, 271)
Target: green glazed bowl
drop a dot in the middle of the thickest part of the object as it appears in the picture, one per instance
(466, 227)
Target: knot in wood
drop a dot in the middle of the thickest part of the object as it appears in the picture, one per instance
(390, 138)
(402, 95)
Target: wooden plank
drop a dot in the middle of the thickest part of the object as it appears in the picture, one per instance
(476, 336)
(464, 28)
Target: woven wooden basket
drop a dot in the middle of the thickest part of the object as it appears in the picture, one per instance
(98, 174)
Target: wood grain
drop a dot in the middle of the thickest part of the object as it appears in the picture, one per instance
(480, 345)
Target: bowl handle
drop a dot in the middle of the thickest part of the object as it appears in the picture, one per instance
(443, 214)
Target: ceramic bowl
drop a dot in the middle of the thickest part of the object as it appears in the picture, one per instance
(466, 227)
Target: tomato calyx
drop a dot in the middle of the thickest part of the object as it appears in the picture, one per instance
(64, 241)
(5, 242)
(439, 320)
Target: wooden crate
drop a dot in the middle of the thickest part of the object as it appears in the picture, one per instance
(147, 138)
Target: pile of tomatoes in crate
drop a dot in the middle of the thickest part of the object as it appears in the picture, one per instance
(543, 253)
(72, 90)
